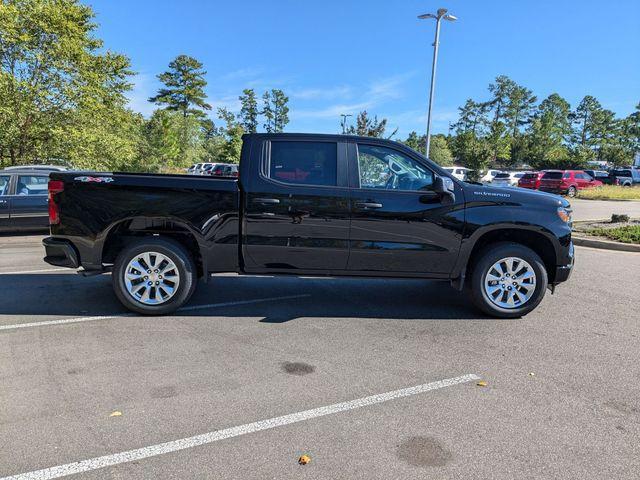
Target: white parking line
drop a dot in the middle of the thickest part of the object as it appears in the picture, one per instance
(206, 438)
(122, 315)
(38, 271)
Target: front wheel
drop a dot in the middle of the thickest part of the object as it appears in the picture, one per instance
(154, 276)
(508, 281)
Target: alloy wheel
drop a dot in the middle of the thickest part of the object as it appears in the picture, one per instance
(510, 282)
(151, 278)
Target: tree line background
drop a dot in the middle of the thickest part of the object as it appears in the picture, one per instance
(63, 100)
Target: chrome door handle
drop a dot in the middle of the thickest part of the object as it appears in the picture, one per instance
(266, 201)
(367, 205)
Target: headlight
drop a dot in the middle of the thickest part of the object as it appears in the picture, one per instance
(564, 214)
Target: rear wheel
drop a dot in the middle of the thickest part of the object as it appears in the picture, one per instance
(509, 280)
(572, 192)
(154, 276)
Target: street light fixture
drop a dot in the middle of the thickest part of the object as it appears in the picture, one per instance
(344, 121)
(442, 13)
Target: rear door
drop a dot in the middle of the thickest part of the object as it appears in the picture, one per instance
(398, 223)
(5, 201)
(29, 204)
(296, 207)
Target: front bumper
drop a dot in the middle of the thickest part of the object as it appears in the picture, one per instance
(563, 272)
(60, 253)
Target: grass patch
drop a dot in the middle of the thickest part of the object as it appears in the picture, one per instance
(610, 192)
(624, 234)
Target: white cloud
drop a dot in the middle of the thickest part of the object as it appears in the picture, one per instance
(343, 91)
(332, 111)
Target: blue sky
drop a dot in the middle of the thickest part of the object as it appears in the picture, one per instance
(335, 56)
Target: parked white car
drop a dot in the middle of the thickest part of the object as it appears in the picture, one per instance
(507, 179)
(489, 176)
(459, 172)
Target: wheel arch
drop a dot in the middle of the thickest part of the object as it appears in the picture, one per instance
(130, 229)
(537, 239)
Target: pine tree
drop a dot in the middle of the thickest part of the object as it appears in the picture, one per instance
(249, 110)
(184, 87)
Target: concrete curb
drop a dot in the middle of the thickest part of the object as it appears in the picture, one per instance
(604, 244)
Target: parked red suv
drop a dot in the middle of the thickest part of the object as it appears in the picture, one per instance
(567, 182)
(530, 180)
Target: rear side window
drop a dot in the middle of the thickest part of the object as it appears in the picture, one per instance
(552, 176)
(32, 185)
(305, 163)
(622, 173)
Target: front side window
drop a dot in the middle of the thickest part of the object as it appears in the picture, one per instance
(384, 168)
(304, 163)
(32, 185)
(4, 185)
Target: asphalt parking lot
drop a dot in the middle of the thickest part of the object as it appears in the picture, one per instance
(224, 377)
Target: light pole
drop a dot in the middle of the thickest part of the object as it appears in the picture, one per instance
(442, 13)
(344, 121)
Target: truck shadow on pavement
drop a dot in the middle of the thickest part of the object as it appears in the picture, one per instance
(71, 295)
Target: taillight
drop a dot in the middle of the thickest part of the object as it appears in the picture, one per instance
(617, 182)
(54, 187)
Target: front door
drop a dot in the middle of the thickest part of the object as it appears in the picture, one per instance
(398, 223)
(29, 203)
(297, 208)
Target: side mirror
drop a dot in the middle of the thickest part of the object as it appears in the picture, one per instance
(444, 187)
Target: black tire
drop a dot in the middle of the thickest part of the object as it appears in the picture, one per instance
(572, 192)
(488, 257)
(172, 249)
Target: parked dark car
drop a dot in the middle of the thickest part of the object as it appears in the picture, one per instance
(23, 199)
(600, 175)
(567, 182)
(332, 205)
(530, 180)
(626, 177)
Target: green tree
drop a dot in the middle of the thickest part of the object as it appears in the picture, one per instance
(232, 137)
(53, 72)
(280, 110)
(439, 150)
(416, 142)
(548, 133)
(473, 152)
(268, 113)
(275, 110)
(369, 127)
(184, 87)
(249, 110)
(174, 141)
(472, 117)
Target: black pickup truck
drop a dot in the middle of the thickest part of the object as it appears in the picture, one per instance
(311, 204)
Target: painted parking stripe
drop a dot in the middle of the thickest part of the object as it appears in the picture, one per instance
(38, 271)
(123, 315)
(207, 438)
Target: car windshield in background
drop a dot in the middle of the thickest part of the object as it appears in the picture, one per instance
(552, 176)
(502, 175)
(530, 175)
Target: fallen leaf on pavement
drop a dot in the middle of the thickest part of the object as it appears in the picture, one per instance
(304, 459)
(116, 414)
(482, 383)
